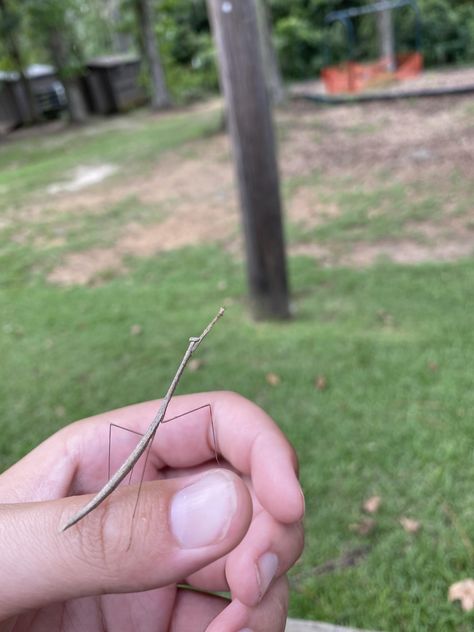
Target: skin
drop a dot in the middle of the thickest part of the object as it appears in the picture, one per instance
(118, 571)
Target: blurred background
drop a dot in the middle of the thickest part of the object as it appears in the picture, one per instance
(120, 236)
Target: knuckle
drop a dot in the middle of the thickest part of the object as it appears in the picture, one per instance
(232, 397)
(101, 538)
(280, 602)
(98, 543)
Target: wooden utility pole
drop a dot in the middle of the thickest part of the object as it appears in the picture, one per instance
(386, 38)
(249, 116)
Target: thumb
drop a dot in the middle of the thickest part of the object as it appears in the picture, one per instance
(180, 526)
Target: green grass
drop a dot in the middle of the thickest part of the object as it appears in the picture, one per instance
(395, 344)
(378, 211)
(387, 423)
(30, 165)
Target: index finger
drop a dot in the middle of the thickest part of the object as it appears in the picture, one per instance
(246, 437)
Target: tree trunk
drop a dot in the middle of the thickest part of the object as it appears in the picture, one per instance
(386, 38)
(15, 53)
(160, 98)
(271, 68)
(32, 114)
(120, 42)
(75, 101)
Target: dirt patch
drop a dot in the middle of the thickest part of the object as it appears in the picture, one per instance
(141, 241)
(308, 210)
(82, 268)
(196, 195)
(403, 140)
(83, 177)
(362, 255)
(407, 252)
(439, 247)
(427, 146)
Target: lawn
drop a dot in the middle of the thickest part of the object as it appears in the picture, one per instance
(375, 369)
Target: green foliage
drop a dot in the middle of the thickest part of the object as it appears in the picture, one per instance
(10, 28)
(10, 18)
(304, 44)
(186, 48)
(185, 45)
(57, 20)
(299, 46)
(301, 37)
(448, 31)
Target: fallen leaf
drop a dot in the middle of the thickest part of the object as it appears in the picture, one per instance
(135, 330)
(410, 525)
(16, 330)
(60, 411)
(321, 382)
(463, 591)
(372, 504)
(364, 527)
(195, 364)
(273, 379)
(385, 317)
(433, 366)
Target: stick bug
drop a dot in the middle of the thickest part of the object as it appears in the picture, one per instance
(147, 452)
(148, 436)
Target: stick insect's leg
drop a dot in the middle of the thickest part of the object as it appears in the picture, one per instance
(142, 476)
(109, 473)
(148, 449)
(214, 437)
(140, 485)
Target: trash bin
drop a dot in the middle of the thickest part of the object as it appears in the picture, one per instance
(113, 84)
(48, 93)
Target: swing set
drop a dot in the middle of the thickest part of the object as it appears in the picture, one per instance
(351, 76)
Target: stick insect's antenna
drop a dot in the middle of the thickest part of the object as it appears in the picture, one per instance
(129, 463)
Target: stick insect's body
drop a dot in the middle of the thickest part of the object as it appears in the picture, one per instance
(147, 438)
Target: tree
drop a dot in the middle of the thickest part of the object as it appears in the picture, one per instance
(159, 93)
(53, 21)
(10, 23)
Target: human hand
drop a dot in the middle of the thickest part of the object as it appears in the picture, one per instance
(233, 526)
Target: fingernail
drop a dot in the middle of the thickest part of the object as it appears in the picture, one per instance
(303, 501)
(201, 513)
(266, 569)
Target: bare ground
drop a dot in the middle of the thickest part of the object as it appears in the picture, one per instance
(322, 150)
